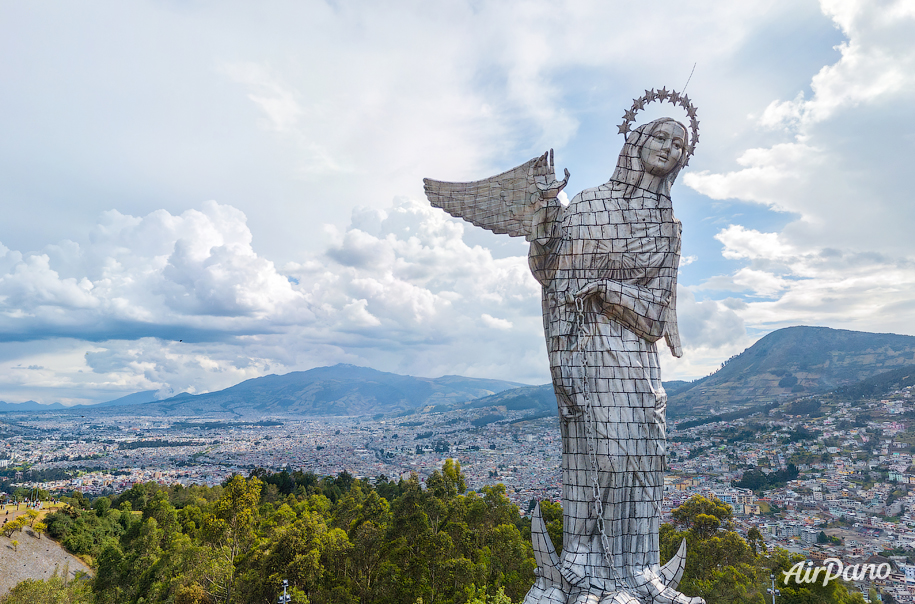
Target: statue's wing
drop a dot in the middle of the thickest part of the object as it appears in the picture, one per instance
(502, 204)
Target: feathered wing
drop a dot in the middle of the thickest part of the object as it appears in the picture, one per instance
(502, 204)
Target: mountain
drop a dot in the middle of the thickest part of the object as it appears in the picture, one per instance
(131, 399)
(516, 399)
(791, 362)
(337, 390)
(785, 364)
(137, 398)
(30, 406)
(878, 385)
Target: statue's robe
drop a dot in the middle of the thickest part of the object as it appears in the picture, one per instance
(605, 368)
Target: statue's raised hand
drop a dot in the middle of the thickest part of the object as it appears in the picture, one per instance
(545, 176)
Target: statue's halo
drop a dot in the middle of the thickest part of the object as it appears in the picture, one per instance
(673, 97)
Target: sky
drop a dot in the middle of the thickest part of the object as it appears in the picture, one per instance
(199, 193)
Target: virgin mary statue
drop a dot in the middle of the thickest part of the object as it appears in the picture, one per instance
(607, 263)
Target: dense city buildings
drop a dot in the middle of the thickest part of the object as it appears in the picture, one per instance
(820, 477)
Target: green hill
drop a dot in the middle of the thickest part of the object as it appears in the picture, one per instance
(791, 362)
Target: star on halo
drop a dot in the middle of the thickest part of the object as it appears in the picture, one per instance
(673, 97)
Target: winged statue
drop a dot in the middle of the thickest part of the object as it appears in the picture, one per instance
(607, 263)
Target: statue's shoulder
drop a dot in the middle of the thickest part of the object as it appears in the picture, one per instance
(605, 191)
(595, 199)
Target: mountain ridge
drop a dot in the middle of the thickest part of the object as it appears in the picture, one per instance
(340, 389)
(791, 362)
(785, 364)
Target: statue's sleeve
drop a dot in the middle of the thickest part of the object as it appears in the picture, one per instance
(671, 328)
(648, 312)
(642, 310)
(504, 204)
(546, 239)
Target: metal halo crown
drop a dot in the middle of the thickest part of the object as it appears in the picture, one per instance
(673, 97)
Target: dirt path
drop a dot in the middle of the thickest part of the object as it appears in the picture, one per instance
(35, 559)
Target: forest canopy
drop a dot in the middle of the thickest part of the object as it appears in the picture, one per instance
(343, 540)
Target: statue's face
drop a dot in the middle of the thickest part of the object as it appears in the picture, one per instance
(663, 149)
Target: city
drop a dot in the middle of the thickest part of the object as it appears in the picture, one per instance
(839, 474)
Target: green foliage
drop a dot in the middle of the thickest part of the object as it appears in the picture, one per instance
(758, 480)
(348, 541)
(688, 514)
(724, 568)
(54, 590)
(83, 531)
(335, 539)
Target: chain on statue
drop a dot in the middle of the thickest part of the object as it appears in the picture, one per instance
(592, 440)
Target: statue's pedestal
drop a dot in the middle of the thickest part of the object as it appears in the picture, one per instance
(649, 587)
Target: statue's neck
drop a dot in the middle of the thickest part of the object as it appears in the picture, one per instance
(652, 183)
(638, 179)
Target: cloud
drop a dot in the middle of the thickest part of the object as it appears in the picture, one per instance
(851, 140)
(291, 130)
(397, 289)
(277, 102)
(740, 242)
(494, 323)
(844, 259)
(877, 61)
(402, 288)
(186, 275)
(787, 284)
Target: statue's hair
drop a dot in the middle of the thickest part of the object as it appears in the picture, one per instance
(629, 169)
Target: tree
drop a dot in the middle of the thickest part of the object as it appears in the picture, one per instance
(55, 589)
(33, 515)
(39, 528)
(191, 594)
(15, 544)
(232, 522)
(697, 505)
(705, 525)
(101, 506)
(15, 525)
(756, 541)
(480, 597)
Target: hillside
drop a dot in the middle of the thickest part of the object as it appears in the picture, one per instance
(337, 390)
(527, 397)
(33, 558)
(791, 362)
